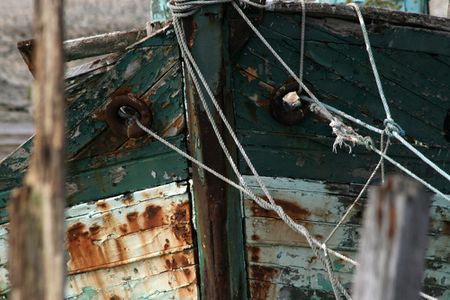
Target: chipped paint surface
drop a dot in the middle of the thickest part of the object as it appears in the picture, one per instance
(414, 72)
(150, 70)
(415, 79)
(131, 246)
(283, 266)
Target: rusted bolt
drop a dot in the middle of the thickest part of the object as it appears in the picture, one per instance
(119, 123)
(286, 106)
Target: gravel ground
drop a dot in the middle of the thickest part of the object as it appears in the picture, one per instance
(83, 18)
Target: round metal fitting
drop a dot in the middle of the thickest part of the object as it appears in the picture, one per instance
(286, 106)
(120, 124)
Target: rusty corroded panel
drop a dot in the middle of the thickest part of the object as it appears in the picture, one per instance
(282, 266)
(132, 246)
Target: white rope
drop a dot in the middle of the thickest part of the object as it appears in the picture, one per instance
(371, 59)
(190, 62)
(261, 202)
(421, 156)
(183, 8)
(382, 159)
(392, 128)
(302, 44)
(346, 116)
(410, 173)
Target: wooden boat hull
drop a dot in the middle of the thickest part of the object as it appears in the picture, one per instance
(132, 223)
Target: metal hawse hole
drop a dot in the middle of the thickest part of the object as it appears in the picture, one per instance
(286, 106)
(118, 110)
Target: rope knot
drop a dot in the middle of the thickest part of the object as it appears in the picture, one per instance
(368, 142)
(390, 126)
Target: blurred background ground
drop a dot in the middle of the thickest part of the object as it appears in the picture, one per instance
(83, 18)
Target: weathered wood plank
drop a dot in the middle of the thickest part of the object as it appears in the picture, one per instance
(308, 279)
(337, 70)
(329, 72)
(369, 13)
(143, 269)
(86, 47)
(266, 231)
(133, 245)
(287, 260)
(134, 72)
(310, 157)
(221, 256)
(116, 173)
(262, 290)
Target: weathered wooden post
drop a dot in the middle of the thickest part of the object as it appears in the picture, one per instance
(217, 206)
(394, 239)
(36, 236)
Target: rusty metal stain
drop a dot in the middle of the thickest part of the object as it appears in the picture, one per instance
(122, 229)
(161, 274)
(249, 73)
(253, 253)
(283, 264)
(262, 290)
(294, 210)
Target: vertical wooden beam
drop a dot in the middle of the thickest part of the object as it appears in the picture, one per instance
(394, 239)
(217, 207)
(36, 256)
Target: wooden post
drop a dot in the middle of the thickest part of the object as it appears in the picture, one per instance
(36, 256)
(394, 239)
(217, 207)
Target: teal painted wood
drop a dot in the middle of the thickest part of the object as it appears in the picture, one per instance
(102, 164)
(336, 67)
(282, 265)
(84, 96)
(127, 171)
(415, 6)
(218, 214)
(133, 246)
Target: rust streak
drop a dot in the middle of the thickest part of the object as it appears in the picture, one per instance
(128, 200)
(153, 217)
(102, 205)
(295, 211)
(249, 73)
(182, 213)
(263, 273)
(182, 233)
(133, 224)
(254, 253)
(259, 290)
(83, 252)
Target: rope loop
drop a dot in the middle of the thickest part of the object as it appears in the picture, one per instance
(390, 126)
(368, 142)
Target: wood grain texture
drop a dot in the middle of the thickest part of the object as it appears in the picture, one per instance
(36, 257)
(392, 250)
(102, 164)
(132, 246)
(280, 262)
(336, 68)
